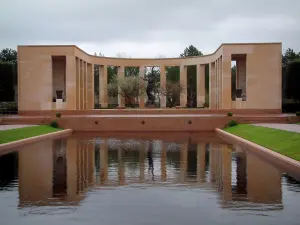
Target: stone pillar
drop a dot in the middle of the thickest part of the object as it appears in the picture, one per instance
(163, 86)
(90, 86)
(121, 100)
(81, 84)
(226, 82)
(78, 84)
(200, 85)
(217, 83)
(70, 82)
(183, 83)
(103, 85)
(220, 82)
(212, 86)
(85, 86)
(142, 96)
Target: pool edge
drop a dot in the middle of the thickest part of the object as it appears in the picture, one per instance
(283, 161)
(30, 140)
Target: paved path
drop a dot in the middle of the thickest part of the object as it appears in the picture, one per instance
(8, 127)
(287, 127)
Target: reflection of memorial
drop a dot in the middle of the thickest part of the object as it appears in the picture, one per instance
(55, 171)
(63, 170)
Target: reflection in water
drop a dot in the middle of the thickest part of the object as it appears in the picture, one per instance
(61, 172)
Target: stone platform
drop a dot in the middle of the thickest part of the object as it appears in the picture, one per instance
(140, 122)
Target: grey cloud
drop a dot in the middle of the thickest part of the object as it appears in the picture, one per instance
(205, 24)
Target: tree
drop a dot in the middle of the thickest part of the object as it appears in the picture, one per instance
(191, 75)
(172, 93)
(293, 80)
(288, 57)
(8, 55)
(129, 87)
(190, 51)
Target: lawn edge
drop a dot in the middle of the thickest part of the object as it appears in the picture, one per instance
(260, 149)
(30, 140)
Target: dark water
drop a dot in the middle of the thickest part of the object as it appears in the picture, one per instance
(125, 180)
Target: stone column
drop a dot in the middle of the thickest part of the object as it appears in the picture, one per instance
(78, 84)
(220, 82)
(81, 84)
(70, 82)
(85, 86)
(121, 100)
(212, 86)
(183, 83)
(142, 96)
(90, 86)
(103, 85)
(163, 85)
(226, 82)
(200, 85)
(217, 82)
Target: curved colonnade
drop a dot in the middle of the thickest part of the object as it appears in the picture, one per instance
(71, 70)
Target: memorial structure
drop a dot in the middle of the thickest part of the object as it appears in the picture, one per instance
(62, 77)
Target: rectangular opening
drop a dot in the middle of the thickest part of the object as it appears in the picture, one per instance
(59, 78)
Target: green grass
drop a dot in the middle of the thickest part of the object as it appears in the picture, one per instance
(25, 132)
(284, 142)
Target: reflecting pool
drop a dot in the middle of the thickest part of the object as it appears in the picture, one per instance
(143, 179)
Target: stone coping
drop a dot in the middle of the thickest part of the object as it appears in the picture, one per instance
(30, 140)
(287, 163)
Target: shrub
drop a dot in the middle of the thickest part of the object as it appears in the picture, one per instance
(54, 124)
(298, 113)
(232, 123)
(58, 114)
(229, 114)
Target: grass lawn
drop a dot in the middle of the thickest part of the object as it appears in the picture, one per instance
(284, 142)
(25, 132)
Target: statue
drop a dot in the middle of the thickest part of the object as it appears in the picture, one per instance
(149, 91)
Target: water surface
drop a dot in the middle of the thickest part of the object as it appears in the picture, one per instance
(143, 179)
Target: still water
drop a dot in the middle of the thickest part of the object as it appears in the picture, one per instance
(130, 180)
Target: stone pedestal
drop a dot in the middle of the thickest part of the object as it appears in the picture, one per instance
(59, 103)
(238, 103)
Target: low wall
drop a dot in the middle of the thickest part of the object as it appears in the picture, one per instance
(285, 163)
(157, 123)
(137, 123)
(149, 111)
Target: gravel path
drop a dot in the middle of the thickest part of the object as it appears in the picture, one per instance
(287, 127)
(8, 127)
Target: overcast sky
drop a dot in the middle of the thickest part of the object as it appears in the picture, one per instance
(148, 28)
